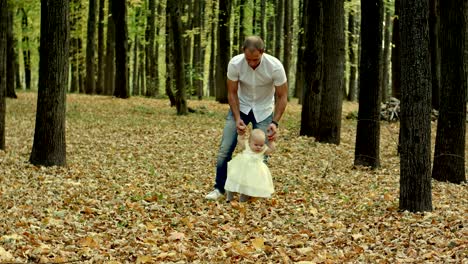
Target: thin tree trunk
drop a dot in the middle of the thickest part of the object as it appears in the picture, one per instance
(415, 156)
(222, 50)
(26, 50)
(150, 60)
(312, 67)
(169, 59)
(3, 68)
(197, 63)
(332, 89)
(119, 11)
(109, 85)
(368, 125)
(352, 89)
(449, 154)
(288, 23)
(49, 147)
(242, 34)
(90, 49)
(396, 56)
(386, 53)
(279, 28)
(135, 88)
(435, 52)
(10, 92)
(100, 71)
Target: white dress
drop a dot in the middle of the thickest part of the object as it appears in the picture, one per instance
(248, 174)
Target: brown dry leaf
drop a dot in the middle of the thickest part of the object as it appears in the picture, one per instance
(144, 259)
(258, 243)
(177, 236)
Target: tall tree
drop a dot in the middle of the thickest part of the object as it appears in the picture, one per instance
(288, 36)
(449, 154)
(279, 22)
(3, 68)
(170, 73)
(435, 51)
(332, 89)
(242, 34)
(197, 75)
(26, 49)
(213, 39)
(100, 71)
(298, 90)
(119, 11)
(386, 53)
(223, 48)
(312, 66)
(368, 125)
(49, 147)
(175, 14)
(151, 78)
(74, 52)
(262, 19)
(396, 56)
(352, 87)
(10, 92)
(109, 77)
(90, 48)
(415, 159)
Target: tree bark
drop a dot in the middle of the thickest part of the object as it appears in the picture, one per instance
(288, 23)
(3, 68)
(100, 71)
(332, 89)
(396, 56)
(150, 61)
(26, 51)
(352, 89)
(435, 52)
(90, 49)
(449, 154)
(368, 125)
(109, 78)
(119, 11)
(279, 28)
(197, 76)
(49, 147)
(415, 160)
(10, 92)
(222, 50)
(385, 60)
(312, 67)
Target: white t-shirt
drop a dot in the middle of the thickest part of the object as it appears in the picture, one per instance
(257, 87)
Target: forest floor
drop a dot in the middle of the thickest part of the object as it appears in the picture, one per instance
(133, 192)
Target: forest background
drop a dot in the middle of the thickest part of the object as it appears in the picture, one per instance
(132, 189)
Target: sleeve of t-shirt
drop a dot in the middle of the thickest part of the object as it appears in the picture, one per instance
(232, 72)
(279, 76)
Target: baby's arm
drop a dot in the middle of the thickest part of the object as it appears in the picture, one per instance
(271, 147)
(241, 141)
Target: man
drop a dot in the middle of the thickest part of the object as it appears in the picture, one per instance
(254, 78)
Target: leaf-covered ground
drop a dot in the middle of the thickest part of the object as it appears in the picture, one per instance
(137, 174)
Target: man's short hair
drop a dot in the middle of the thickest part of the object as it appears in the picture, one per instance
(253, 43)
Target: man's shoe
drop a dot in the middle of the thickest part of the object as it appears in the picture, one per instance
(214, 195)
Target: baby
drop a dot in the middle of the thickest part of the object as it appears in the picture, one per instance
(247, 172)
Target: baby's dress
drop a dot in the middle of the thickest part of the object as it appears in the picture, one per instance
(248, 174)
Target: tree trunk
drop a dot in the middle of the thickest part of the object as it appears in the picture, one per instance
(368, 125)
(299, 87)
(435, 52)
(213, 39)
(386, 53)
(3, 68)
(150, 61)
(26, 51)
(449, 155)
(222, 50)
(396, 56)
(90, 49)
(119, 11)
(178, 57)
(415, 160)
(332, 89)
(279, 28)
(288, 23)
(312, 67)
(352, 89)
(197, 76)
(49, 147)
(10, 92)
(109, 85)
(136, 44)
(262, 19)
(169, 59)
(242, 34)
(100, 71)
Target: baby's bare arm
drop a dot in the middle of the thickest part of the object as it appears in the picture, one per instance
(241, 141)
(271, 147)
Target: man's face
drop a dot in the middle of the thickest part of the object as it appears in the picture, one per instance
(253, 57)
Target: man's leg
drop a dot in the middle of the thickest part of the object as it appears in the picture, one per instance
(263, 125)
(228, 144)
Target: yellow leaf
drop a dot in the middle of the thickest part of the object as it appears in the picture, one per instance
(258, 243)
(144, 259)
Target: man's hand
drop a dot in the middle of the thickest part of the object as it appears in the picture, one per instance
(241, 127)
(272, 132)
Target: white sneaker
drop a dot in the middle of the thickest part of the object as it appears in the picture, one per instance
(214, 195)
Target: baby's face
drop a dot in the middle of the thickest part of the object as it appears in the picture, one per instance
(257, 143)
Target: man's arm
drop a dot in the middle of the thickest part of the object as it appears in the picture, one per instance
(281, 101)
(233, 100)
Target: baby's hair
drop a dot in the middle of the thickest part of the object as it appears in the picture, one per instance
(257, 133)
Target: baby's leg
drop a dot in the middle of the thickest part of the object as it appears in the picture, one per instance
(243, 198)
(229, 196)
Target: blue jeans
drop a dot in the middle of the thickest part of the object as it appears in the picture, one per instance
(229, 142)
